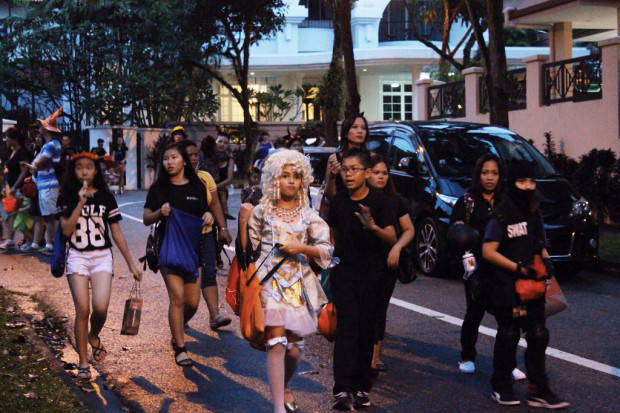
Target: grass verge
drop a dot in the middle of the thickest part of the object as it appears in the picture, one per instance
(609, 246)
(28, 381)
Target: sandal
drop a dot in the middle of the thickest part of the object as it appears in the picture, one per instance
(219, 321)
(99, 352)
(83, 373)
(290, 407)
(181, 357)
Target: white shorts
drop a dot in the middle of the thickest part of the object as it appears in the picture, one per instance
(47, 201)
(90, 262)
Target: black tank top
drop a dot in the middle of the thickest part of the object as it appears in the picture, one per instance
(223, 171)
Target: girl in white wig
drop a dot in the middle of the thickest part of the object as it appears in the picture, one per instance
(283, 226)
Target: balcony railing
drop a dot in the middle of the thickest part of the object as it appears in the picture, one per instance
(574, 80)
(516, 91)
(447, 100)
(317, 24)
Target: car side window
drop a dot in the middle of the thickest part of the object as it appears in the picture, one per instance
(379, 141)
(404, 157)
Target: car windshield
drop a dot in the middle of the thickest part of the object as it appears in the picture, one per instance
(453, 150)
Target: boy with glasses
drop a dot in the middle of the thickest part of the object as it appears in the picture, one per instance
(362, 231)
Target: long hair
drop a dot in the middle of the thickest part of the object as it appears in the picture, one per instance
(476, 187)
(71, 185)
(344, 131)
(207, 147)
(163, 177)
(389, 188)
(16, 134)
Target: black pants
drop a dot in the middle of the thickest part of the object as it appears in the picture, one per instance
(471, 323)
(508, 334)
(386, 288)
(355, 333)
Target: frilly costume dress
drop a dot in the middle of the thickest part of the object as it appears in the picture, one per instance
(294, 294)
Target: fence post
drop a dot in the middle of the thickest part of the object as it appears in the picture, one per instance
(535, 80)
(472, 91)
(421, 88)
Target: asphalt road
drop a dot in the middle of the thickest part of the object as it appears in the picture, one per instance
(421, 347)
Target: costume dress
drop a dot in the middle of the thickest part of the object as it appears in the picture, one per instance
(294, 294)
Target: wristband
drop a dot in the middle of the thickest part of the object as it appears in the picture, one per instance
(223, 229)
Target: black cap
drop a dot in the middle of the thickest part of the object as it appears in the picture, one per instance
(519, 169)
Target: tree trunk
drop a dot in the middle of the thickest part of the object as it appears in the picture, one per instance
(498, 80)
(331, 90)
(343, 13)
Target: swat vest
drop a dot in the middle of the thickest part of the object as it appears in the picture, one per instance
(522, 237)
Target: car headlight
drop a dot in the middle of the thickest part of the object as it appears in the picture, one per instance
(581, 207)
(450, 200)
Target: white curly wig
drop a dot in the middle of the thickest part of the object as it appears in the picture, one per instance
(272, 170)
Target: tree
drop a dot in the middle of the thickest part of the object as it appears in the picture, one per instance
(342, 10)
(240, 24)
(493, 58)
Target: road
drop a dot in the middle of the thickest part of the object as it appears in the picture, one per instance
(421, 347)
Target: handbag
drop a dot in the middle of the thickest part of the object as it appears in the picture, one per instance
(232, 285)
(59, 253)
(555, 299)
(153, 244)
(252, 317)
(133, 311)
(179, 248)
(327, 321)
(406, 272)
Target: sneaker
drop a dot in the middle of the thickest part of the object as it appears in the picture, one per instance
(7, 244)
(518, 375)
(546, 399)
(27, 248)
(219, 321)
(361, 400)
(506, 398)
(46, 251)
(343, 401)
(467, 367)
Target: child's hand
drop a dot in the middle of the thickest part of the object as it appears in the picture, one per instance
(137, 274)
(83, 194)
(207, 219)
(365, 217)
(165, 209)
(293, 247)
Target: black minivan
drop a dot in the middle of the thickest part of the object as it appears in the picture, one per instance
(431, 165)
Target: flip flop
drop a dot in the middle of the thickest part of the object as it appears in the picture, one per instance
(99, 352)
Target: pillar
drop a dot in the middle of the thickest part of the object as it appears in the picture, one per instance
(472, 91)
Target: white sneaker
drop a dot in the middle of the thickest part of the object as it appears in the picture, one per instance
(7, 244)
(518, 375)
(467, 367)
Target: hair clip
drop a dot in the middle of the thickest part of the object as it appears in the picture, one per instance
(84, 154)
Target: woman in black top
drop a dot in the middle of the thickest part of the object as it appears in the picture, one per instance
(473, 209)
(14, 178)
(353, 133)
(380, 179)
(178, 186)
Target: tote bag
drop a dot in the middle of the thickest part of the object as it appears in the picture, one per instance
(179, 249)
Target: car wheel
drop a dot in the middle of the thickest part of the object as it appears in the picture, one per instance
(428, 246)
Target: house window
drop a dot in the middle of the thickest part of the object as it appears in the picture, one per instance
(397, 21)
(397, 101)
(230, 109)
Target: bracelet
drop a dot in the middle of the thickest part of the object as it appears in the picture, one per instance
(223, 229)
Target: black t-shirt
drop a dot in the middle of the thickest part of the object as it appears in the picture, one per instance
(361, 252)
(190, 197)
(12, 164)
(91, 230)
(478, 218)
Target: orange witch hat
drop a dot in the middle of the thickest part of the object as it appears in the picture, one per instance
(50, 123)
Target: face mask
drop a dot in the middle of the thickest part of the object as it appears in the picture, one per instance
(522, 198)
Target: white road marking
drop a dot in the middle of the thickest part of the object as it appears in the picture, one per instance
(552, 352)
(130, 203)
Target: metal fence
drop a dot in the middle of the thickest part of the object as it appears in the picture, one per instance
(576, 80)
(447, 100)
(517, 97)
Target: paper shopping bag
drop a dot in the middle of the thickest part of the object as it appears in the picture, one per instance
(133, 311)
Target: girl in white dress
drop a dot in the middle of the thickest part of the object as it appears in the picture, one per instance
(292, 298)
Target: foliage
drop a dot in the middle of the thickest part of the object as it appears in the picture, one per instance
(107, 61)
(311, 129)
(519, 37)
(446, 72)
(153, 156)
(274, 104)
